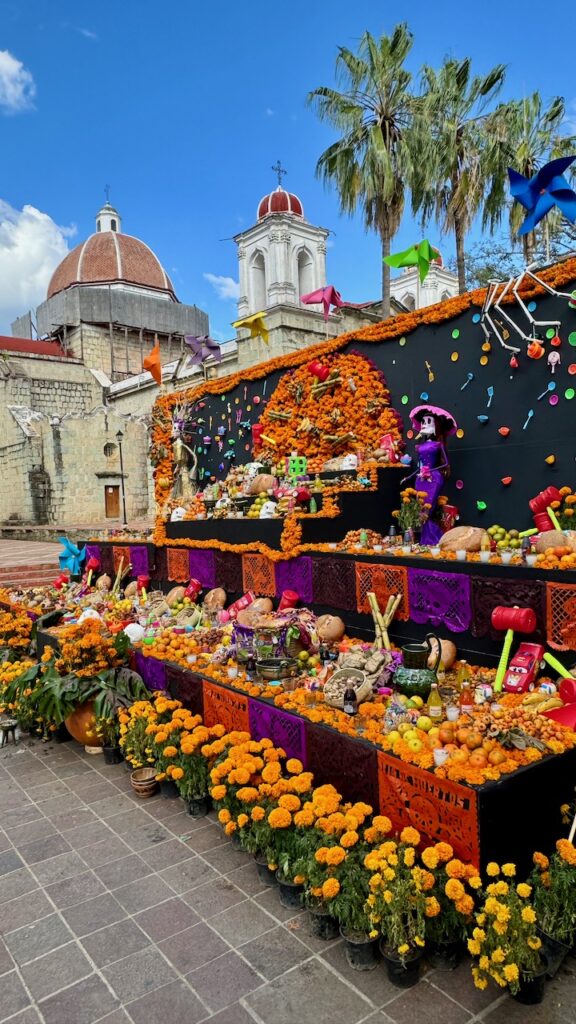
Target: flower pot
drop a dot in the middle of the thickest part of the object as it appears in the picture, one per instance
(445, 956)
(81, 724)
(236, 841)
(169, 789)
(112, 755)
(553, 951)
(531, 990)
(265, 874)
(289, 892)
(143, 782)
(61, 734)
(198, 806)
(361, 951)
(403, 972)
(322, 924)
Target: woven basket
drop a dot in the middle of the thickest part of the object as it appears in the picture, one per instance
(362, 686)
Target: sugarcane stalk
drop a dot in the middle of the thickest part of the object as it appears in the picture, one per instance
(118, 576)
(279, 415)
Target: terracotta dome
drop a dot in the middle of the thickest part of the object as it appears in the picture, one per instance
(111, 257)
(280, 201)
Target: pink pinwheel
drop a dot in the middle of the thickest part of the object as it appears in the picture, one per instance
(327, 296)
(202, 349)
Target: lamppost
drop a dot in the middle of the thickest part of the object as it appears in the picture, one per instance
(120, 438)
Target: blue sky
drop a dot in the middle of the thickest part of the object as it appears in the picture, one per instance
(184, 106)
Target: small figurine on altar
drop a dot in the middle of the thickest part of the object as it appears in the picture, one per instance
(434, 425)
(185, 464)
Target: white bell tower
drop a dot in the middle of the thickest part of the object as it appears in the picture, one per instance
(282, 256)
(107, 218)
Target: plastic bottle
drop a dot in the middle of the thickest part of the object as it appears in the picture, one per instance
(466, 692)
(434, 704)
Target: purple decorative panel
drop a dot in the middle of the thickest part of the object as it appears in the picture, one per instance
(285, 730)
(153, 672)
(440, 598)
(295, 574)
(202, 568)
(93, 551)
(139, 560)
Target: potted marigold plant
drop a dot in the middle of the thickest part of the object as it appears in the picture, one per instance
(413, 511)
(397, 906)
(505, 945)
(554, 900)
(449, 907)
(108, 729)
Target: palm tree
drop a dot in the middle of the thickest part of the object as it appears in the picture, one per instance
(460, 168)
(535, 136)
(370, 163)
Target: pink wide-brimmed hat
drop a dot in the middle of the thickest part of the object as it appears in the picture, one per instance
(447, 423)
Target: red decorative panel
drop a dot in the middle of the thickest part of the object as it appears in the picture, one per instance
(225, 707)
(258, 575)
(178, 564)
(385, 581)
(561, 616)
(438, 808)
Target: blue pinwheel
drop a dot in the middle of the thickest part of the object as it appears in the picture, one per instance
(546, 189)
(71, 557)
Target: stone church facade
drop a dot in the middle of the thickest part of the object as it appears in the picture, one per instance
(65, 398)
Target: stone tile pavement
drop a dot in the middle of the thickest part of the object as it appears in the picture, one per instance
(120, 911)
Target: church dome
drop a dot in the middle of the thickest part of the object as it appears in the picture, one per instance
(110, 257)
(280, 201)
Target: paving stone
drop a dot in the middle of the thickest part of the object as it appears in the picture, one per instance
(167, 919)
(84, 1003)
(206, 839)
(275, 952)
(5, 843)
(88, 834)
(109, 849)
(270, 901)
(98, 792)
(148, 835)
(30, 907)
(373, 984)
(10, 861)
(122, 871)
(115, 942)
(138, 974)
(458, 985)
(241, 923)
(175, 1002)
(75, 889)
(6, 962)
(16, 883)
(58, 868)
(93, 914)
(289, 998)
(128, 823)
(42, 849)
(20, 816)
(86, 779)
(234, 1014)
(228, 980)
(32, 940)
(27, 1016)
(188, 875)
(193, 948)
(426, 1002)
(227, 858)
(163, 855)
(56, 970)
(163, 809)
(39, 829)
(74, 818)
(300, 926)
(116, 804)
(117, 1017)
(75, 769)
(13, 995)
(139, 896)
(58, 806)
(32, 780)
(214, 897)
(246, 878)
(49, 791)
(550, 1011)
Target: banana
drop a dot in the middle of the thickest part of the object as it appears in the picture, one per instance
(548, 705)
(534, 698)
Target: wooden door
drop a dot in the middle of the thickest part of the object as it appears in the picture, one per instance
(112, 501)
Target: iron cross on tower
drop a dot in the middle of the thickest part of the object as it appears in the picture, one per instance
(107, 193)
(279, 170)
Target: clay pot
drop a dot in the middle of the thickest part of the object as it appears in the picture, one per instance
(143, 782)
(81, 724)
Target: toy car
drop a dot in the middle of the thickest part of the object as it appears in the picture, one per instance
(523, 669)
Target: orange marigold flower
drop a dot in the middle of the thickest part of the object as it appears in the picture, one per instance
(410, 835)
(279, 818)
(290, 802)
(258, 813)
(454, 889)
(330, 888)
(219, 792)
(349, 839)
(224, 816)
(294, 766)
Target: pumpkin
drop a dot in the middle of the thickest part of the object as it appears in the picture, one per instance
(447, 653)
(330, 628)
(262, 483)
(103, 582)
(215, 600)
(462, 538)
(175, 595)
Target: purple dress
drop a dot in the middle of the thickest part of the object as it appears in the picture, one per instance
(431, 455)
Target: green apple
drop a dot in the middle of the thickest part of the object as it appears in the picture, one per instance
(404, 727)
(394, 736)
(417, 701)
(415, 744)
(424, 723)
(411, 734)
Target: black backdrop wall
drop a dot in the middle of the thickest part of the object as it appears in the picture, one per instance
(481, 457)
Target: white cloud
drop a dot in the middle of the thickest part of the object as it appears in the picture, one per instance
(225, 287)
(88, 34)
(31, 247)
(17, 88)
(269, 112)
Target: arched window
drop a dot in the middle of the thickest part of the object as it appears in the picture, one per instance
(305, 272)
(409, 301)
(444, 296)
(258, 282)
(113, 225)
(98, 226)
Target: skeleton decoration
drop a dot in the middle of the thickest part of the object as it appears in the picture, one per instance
(553, 360)
(496, 292)
(185, 459)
